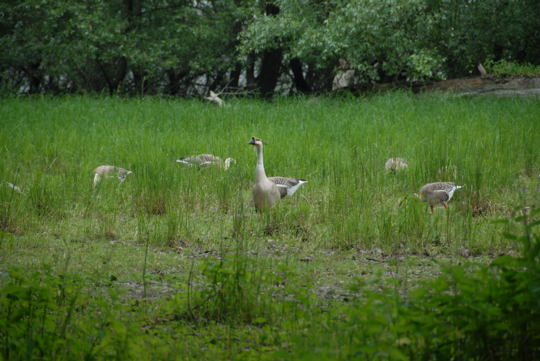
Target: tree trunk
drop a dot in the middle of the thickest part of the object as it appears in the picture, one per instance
(116, 75)
(268, 77)
(251, 81)
(271, 63)
(34, 78)
(235, 76)
(175, 82)
(298, 76)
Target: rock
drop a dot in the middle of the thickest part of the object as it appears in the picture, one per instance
(344, 79)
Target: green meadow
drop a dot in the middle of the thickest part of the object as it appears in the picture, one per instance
(175, 264)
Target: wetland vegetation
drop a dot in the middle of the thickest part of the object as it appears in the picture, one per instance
(173, 263)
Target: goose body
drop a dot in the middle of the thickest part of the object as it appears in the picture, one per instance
(108, 171)
(395, 164)
(267, 191)
(438, 193)
(203, 160)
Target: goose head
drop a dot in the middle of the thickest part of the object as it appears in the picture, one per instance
(123, 173)
(257, 142)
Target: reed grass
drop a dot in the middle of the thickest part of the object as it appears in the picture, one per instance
(51, 145)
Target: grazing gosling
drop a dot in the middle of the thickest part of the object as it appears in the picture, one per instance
(396, 164)
(438, 193)
(109, 171)
(204, 160)
(267, 191)
(214, 98)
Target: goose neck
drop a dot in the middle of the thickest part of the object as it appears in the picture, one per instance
(260, 173)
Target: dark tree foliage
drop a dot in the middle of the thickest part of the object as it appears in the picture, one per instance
(186, 47)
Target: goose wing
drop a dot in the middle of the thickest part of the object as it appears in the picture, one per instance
(287, 186)
(441, 195)
(437, 186)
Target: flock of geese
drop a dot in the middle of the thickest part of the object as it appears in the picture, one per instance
(267, 191)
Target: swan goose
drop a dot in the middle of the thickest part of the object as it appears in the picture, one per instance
(203, 160)
(438, 193)
(108, 171)
(267, 191)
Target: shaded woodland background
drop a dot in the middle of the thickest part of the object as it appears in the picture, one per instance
(186, 48)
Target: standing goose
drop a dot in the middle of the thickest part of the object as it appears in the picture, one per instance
(396, 164)
(267, 191)
(203, 160)
(109, 171)
(438, 193)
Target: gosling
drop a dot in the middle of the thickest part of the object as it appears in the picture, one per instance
(204, 160)
(109, 171)
(396, 164)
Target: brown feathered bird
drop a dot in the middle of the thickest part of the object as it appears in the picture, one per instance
(438, 193)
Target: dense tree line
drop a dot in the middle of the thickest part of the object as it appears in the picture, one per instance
(186, 47)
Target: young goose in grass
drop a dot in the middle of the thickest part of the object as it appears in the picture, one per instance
(267, 191)
(109, 171)
(203, 160)
(395, 164)
(438, 193)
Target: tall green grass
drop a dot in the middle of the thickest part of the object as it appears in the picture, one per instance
(174, 263)
(51, 145)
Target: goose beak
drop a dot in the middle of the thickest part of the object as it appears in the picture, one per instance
(252, 141)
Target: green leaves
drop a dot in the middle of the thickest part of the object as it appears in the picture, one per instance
(117, 46)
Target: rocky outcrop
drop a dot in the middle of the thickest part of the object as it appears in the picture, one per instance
(344, 79)
(472, 86)
(489, 85)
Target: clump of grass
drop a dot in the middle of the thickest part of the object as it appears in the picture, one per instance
(505, 67)
(235, 289)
